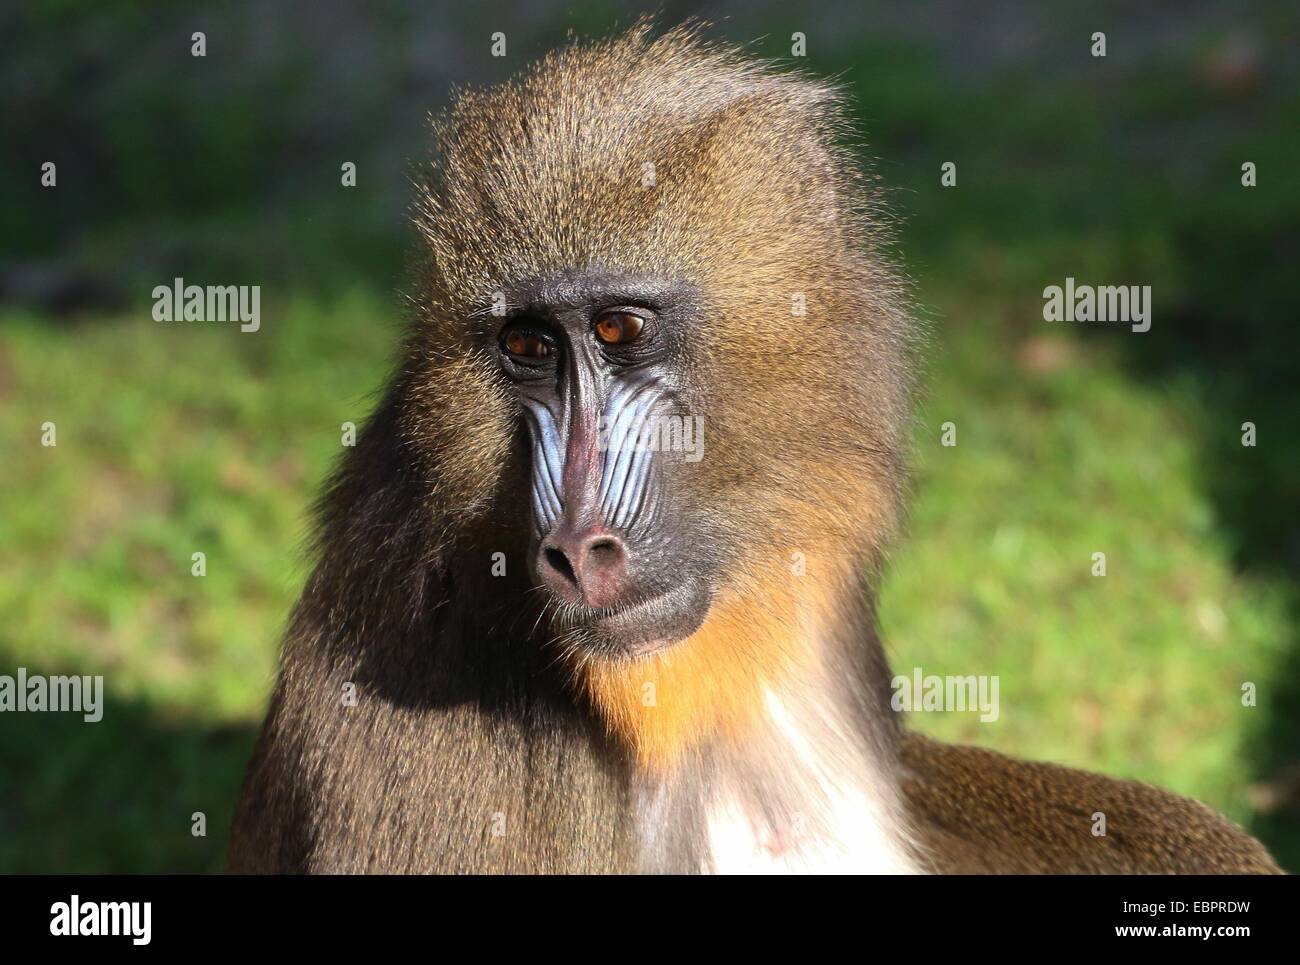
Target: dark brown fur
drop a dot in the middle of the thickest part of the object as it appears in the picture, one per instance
(980, 812)
(454, 723)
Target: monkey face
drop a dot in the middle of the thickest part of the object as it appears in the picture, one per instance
(597, 363)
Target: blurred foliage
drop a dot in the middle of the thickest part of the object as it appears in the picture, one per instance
(172, 439)
(175, 437)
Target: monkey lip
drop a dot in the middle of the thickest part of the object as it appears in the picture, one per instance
(651, 625)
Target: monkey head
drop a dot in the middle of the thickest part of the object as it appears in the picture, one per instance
(652, 317)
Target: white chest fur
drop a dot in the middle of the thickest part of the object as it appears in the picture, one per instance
(841, 822)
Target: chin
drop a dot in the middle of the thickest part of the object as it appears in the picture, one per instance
(642, 629)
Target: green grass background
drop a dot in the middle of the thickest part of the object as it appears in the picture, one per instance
(176, 438)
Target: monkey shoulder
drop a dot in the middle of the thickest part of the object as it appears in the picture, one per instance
(975, 811)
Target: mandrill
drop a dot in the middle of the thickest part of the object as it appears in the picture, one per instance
(594, 590)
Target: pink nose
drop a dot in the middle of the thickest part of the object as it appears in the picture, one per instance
(588, 567)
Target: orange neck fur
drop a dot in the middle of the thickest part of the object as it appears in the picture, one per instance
(713, 683)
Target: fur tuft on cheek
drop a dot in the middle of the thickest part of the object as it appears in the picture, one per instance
(459, 422)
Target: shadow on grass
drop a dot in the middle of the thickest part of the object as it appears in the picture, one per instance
(116, 796)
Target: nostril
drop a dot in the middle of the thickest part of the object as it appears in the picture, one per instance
(560, 563)
(604, 553)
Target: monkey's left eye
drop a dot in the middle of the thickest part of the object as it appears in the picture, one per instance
(618, 328)
(525, 343)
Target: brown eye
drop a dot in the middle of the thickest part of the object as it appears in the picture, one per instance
(618, 328)
(525, 344)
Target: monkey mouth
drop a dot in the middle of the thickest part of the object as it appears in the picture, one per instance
(643, 627)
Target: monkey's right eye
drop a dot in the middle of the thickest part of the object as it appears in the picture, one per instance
(526, 343)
